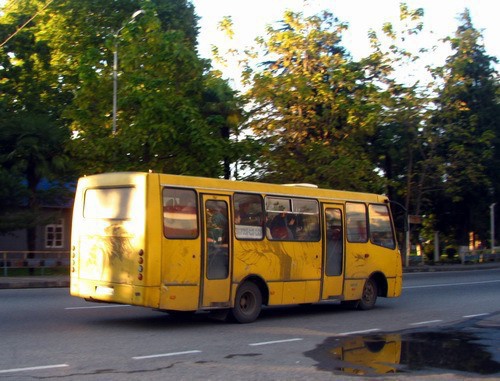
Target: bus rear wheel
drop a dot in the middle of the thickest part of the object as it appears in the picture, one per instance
(369, 297)
(247, 304)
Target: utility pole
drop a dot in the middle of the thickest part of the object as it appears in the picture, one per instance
(115, 66)
(492, 227)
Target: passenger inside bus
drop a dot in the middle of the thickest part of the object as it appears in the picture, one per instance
(282, 226)
(217, 240)
(334, 250)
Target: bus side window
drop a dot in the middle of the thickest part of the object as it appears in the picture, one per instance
(380, 226)
(180, 213)
(292, 219)
(305, 219)
(357, 229)
(278, 209)
(248, 216)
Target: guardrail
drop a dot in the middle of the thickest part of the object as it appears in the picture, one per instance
(33, 259)
(472, 256)
(480, 256)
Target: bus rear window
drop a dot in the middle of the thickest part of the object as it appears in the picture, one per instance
(180, 213)
(109, 203)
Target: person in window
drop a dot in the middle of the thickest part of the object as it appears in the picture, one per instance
(291, 223)
(217, 240)
(242, 216)
(334, 250)
(218, 227)
(280, 227)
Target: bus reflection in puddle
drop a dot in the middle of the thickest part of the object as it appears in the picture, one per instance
(366, 355)
(426, 352)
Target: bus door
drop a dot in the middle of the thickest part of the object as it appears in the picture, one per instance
(216, 251)
(333, 251)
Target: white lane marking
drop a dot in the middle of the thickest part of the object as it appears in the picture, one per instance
(275, 342)
(426, 322)
(358, 332)
(451, 284)
(475, 315)
(94, 307)
(34, 368)
(165, 355)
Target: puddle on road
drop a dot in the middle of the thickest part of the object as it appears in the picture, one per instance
(423, 352)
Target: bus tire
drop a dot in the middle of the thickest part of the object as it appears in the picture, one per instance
(247, 304)
(369, 297)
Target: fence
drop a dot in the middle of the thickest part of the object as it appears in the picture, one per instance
(480, 256)
(32, 260)
(465, 257)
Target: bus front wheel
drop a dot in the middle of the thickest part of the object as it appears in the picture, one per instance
(247, 304)
(369, 296)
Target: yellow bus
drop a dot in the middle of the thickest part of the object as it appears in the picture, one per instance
(178, 244)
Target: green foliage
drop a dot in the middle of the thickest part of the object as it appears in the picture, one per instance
(160, 118)
(32, 133)
(312, 109)
(31, 149)
(56, 98)
(467, 128)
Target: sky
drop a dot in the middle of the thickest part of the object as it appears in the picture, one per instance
(251, 17)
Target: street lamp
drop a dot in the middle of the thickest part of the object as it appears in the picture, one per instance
(115, 65)
(492, 226)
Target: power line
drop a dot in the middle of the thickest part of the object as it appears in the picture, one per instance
(26, 23)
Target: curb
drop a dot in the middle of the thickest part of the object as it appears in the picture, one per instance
(23, 282)
(457, 267)
(64, 281)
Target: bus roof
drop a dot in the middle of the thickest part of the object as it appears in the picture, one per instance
(212, 184)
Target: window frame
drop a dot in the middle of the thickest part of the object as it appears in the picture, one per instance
(197, 213)
(389, 223)
(92, 204)
(290, 209)
(55, 239)
(262, 212)
(348, 226)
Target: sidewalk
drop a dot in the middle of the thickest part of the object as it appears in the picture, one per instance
(49, 281)
(63, 280)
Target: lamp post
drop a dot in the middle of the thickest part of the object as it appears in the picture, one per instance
(492, 226)
(115, 66)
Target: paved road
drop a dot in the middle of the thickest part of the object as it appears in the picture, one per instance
(63, 281)
(45, 333)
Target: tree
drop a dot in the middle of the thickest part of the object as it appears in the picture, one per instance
(32, 132)
(160, 123)
(467, 128)
(57, 81)
(401, 146)
(312, 107)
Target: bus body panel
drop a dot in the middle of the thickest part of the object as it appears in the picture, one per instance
(278, 260)
(275, 293)
(179, 298)
(108, 238)
(180, 274)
